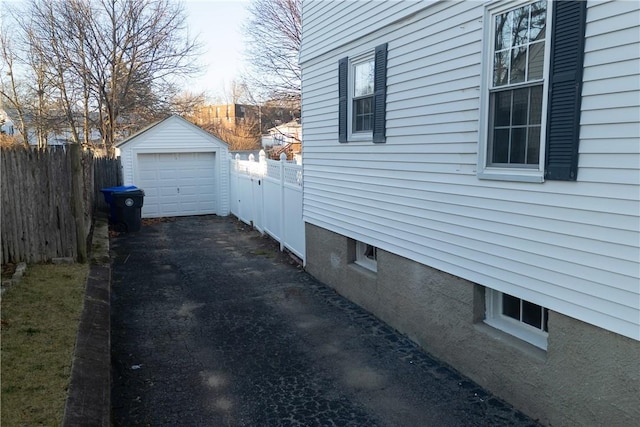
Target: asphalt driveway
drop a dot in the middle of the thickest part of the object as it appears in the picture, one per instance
(213, 326)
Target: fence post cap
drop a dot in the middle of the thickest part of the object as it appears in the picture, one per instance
(251, 157)
(283, 157)
(263, 155)
(237, 156)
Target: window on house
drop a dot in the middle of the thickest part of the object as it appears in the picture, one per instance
(362, 96)
(518, 317)
(515, 113)
(366, 256)
(528, 135)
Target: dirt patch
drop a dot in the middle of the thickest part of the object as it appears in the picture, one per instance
(117, 229)
(151, 221)
(267, 246)
(7, 271)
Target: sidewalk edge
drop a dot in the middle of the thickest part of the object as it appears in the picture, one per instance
(89, 398)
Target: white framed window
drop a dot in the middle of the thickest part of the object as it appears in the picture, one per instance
(517, 317)
(361, 85)
(366, 256)
(516, 69)
(362, 92)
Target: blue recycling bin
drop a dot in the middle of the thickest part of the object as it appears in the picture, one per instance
(108, 198)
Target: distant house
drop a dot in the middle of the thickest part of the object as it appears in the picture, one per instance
(472, 177)
(61, 135)
(182, 169)
(7, 126)
(285, 139)
(287, 133)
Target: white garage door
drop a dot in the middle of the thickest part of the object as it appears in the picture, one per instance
(177, 184)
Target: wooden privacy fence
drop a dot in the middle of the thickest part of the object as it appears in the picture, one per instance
(268, 195)
(48, 198)
(106, 173)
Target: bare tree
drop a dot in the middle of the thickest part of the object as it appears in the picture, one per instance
(26, 93)
(50, 47)
(113, 65)
(149, 50)
(237, 92)
(274, 31)
(11, 93)
(244, 135)
(186, 103)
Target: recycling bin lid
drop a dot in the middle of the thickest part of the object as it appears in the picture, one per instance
(129, 193)
(119, 188)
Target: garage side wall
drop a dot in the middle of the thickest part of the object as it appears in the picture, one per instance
(224, 202)
(126, 163)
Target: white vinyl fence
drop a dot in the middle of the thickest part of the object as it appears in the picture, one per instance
(267, 194)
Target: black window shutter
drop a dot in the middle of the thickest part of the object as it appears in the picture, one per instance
(343, 89)
(380, 94)
(565, 90)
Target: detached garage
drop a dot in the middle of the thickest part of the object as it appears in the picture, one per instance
(182, 169)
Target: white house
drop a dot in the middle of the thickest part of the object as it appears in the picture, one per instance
(6, 124)
(472, 177)
(287, 133)
(182, 169)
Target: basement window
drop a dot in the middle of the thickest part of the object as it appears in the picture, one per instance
(367, 256)
(515, 316)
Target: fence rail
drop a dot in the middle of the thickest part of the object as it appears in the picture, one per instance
(37, 218)
(267, 194)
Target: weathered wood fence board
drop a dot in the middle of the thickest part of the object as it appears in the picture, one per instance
(36, 217)
(107, 173)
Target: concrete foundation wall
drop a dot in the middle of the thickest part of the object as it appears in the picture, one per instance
(587, 376)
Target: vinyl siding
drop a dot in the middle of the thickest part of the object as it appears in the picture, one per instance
(570, 246)
(328, 23)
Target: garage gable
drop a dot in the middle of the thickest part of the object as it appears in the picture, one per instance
(183, 169)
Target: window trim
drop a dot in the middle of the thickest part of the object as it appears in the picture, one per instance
(510, 173)
(363, 261)
(519, 329)
(353, 62)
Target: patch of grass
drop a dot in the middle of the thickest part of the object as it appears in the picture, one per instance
(39, 324)
(262, 252)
